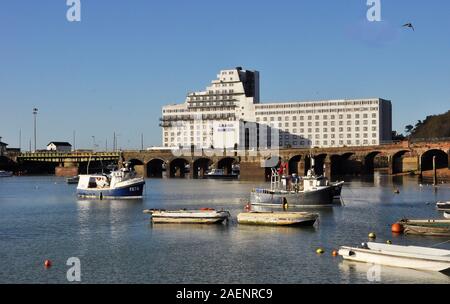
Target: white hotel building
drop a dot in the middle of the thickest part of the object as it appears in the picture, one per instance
(214, 118)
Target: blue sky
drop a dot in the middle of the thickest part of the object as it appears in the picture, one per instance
(115, 69)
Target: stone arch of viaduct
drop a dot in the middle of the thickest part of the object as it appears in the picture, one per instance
(400, 157)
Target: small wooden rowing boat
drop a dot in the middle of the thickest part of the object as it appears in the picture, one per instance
(443, 205)
(421, 258)
(429, 227)
(278, 218)
(202, 216)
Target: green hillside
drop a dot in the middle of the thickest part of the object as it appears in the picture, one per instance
(434, 126)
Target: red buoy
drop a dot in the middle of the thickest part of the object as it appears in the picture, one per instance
(48, 263)
(334, 253)
(397, 228)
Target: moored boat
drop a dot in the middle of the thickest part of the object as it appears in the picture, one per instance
(447, 214)
(309, 191)
(121, 183)
(4, 173)
(73, 179)
(414, 257)
(220, 174)
(278, 218)
(428, 227)
(443, 205)
(202, 216)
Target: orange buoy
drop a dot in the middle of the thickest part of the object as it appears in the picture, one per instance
(397, 228)
(334, 253)
(48, 263)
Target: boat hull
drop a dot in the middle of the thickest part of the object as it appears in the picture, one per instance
(426, 227)
(188, 217)
(316, 198)
(129, 191)
(277, 218)
(395, 259)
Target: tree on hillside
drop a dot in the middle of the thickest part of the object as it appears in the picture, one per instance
(409, 129)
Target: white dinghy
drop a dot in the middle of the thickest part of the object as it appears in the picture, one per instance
(413, 257)
(202, 216)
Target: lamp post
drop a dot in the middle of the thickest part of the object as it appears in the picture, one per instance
(35, 111)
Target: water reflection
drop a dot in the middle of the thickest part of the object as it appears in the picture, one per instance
(356, 271)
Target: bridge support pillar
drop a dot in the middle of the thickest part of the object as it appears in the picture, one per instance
(327, 167)
(390, 165)
(252, 171)
(67, 169)
(301, 167)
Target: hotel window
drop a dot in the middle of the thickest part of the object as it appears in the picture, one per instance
(279, 118)
(349, 129)
(332, 117)
(333, 142)
(374, 115)
(341, 135)
(302, 142)
(317, 142)
(302, 124)
(341, 129)
(374, 128)
(286, 136)
(317, 130)
(286, 124)
(294, 117)
(325, 123)
(301, 117)
(374, 122)
(349, 142)
(357, 135)
(309, 124)
(333, 135)
(374, 134)
(349, 116)
(265, 119)
(356, 122)
(272, 118)
(325, 143)
(325, 117)
(374, 142)
(357, 129)
(325, 130)
(341, 116)
(309, 117)
(365, 135)
(365, 129)
(325, 136)
(365, 116)
(349, 135)
(286, 118)
(309, 130)
(332, 123)
(341, 123)
(341, 142)
(280, 125)
(317, 117)
(366, 142)
(302, 130)
(333, 129)
(294, 124)
(358, 142)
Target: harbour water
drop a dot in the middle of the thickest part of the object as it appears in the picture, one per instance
(41, 218)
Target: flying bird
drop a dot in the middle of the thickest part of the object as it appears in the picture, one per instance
(409, 25)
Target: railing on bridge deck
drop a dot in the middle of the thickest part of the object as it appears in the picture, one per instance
(61, 156)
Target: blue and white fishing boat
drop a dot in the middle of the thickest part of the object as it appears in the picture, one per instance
(121, 183)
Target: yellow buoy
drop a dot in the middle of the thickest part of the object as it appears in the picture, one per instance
(320, 251)
(389, 242)
(372, 235)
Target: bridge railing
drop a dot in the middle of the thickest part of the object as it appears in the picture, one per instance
(67, 154)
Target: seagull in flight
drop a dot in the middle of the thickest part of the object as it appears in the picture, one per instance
(409, 25)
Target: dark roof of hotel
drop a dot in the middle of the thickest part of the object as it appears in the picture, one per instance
(60, 143)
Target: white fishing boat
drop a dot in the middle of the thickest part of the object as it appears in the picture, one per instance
(4, 173)
(73, 180)
(277, 218)
(308, 191)
(414, 257)
(443, 205)
(447, 214)
(122, 183)
(202, 216)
